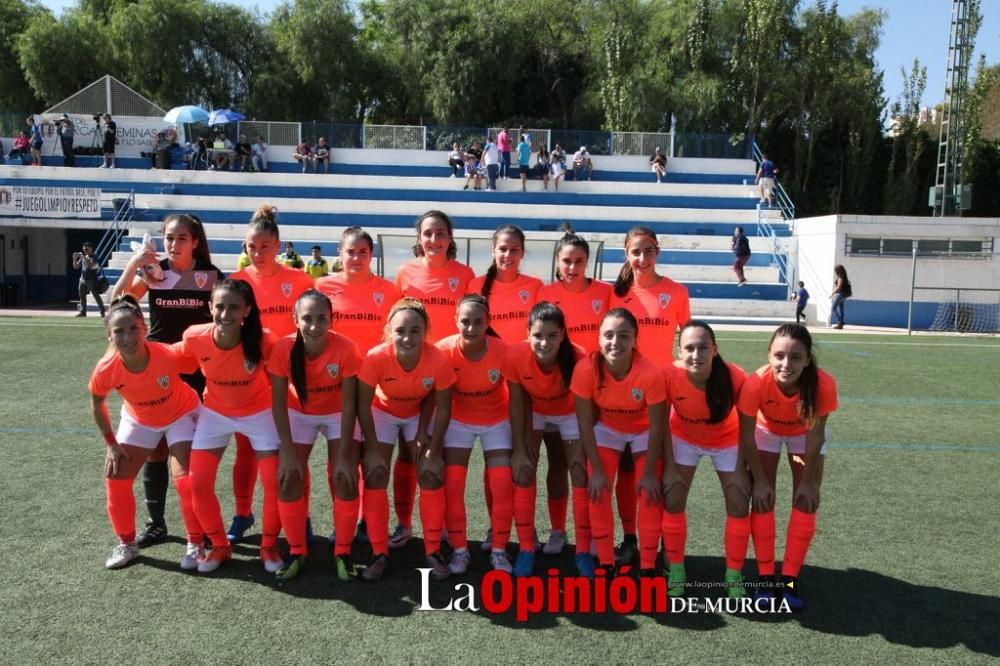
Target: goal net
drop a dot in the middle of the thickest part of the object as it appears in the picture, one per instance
(956, 292)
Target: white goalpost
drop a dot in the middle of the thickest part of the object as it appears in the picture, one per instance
(955, 292)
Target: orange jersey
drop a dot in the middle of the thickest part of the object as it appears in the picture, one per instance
(583, 311)
(510, 304)
(439, 289)
(480, 394)
(399, 392)
(621, 405)
(548, 394)
(359, 311)
(276, 296)
(233, 386)
(154, 397)
(689, 412)
(779, 412)
(660, 310)
(325, 374)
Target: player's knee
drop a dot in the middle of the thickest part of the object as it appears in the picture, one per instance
(525, 477)
(290, 491)
(675, 500)
(377, 478)
(578, 475)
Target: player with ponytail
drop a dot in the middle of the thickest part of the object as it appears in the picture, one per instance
(509, 292)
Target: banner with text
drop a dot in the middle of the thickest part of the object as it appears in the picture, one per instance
(23, 201)
(135, 134)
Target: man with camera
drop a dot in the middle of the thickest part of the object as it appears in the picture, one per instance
(66, 131)
(90, 274)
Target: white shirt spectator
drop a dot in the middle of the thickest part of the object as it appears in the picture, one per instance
(491, 154)
(581, 156)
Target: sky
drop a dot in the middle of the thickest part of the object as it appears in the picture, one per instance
(912, 29)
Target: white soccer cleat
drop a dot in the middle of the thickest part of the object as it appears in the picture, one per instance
(499, 561)
(459, 563)
(122, 555)
(191, 557)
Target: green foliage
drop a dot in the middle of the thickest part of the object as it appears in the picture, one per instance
(15, 92)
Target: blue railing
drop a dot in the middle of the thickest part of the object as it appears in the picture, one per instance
(124, 212)
(779, 254)
(780, 195)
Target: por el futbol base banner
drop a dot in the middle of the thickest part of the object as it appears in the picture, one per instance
(75, 202)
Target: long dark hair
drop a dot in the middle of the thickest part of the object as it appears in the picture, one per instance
(265, 219)
(719, 393)
(194, 226)
(625, 276)
(550, 313)
(809, 380)
(617, 313)
(571, 239)
(252, 335)
(297, 358)
(491, 272)
(418, 251)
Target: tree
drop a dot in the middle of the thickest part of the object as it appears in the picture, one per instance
(908, 146)
(15, 92)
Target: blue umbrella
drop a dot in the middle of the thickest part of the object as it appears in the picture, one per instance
(185, 114)
(223, 116)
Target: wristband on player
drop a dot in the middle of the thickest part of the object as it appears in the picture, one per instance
(110, 438)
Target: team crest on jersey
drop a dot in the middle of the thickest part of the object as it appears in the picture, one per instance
(664, 301)
(333, 369)
(201, 279)
(523, 295)
(453, 283)
(494, 375)
(164, 382)
(597, 306)
(378, 297)
(286, 289)
(428, 383)
(637, 394)
(249, 366)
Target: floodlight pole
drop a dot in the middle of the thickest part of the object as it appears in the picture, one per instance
(913, 284)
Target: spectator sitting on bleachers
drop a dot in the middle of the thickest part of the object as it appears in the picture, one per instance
(223, 148)
(558, 167)
(455, 160)
(290, 257)
(658, 163)
(473, 168)
(22, 147)
(244, 258)
(303, 154)
(543, 165)
(581, 160)
(162, 143)
(558, 155)
(316, 266)
(243, 153)
(259, 150)
(321, 155)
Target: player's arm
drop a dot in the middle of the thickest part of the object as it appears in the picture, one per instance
(762, 491)
(349, 414)
(807, 494)
(598, 482)
(116, 454)
(372, 459)
(288, 462)
(648, 482)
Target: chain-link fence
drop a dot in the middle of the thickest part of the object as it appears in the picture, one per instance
(395, 137)
(639, 143)
(274, 133)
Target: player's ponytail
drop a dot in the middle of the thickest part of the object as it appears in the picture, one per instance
(297, 358)
(418, 251)
(544, 311)
(491, 272)
(625, 276)
(265, 219)
(809, 379)
(252, 332)
(719, 392)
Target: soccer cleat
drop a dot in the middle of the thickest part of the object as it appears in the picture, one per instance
(374, 571)
(122, 555)
(524, 565)
(344, 568)
(676, 580)
(291, 568)
(734, 584)
(556, 543)
(400, 537)
(792, 593)
(361, 535)
(459, 563)
(627, 551)
(584, 564)
(238, 528)
(271, 559)
(152, 534)
(487, 544)
(767, 587)
(499, 561)
(195, 552)
(439, 569)
(215, 559)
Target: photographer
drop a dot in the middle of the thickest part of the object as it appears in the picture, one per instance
(66, 131)
(90, 271)
(110, 139)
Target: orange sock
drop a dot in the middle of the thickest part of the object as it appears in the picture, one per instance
(376, 503)
(194, 532)
(121, 507)
(501, 481)
(581, 520)
(524, 516)
(432, 518)
(271, 524)
(557, 512)
(602, 518)
(649, 524)
(737, 540)
(244, 475)
(404, 491)
(345, 513)
(454, 486)
(293, 519)
(625, 497)
(801, 528)
(762, 529)
(203, 470)
(675, 534)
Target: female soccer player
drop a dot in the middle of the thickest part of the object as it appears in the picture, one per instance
(702, 390)
(620, 403)
(479, 408)
(786, 402)
(437, 280)
(538, 373)
(510, 293)
(231, 353)
(313, 391)
(660, 305)
(178, 301)
(404, 389)
(156, 405)
(276, 288)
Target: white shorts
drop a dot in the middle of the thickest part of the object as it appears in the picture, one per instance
(132, 432)
(566, 424)
(388, 427)
(688, 454)
(305, 427)
(495, 437)
(214, 430)
(795, 444)
(609, 438)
